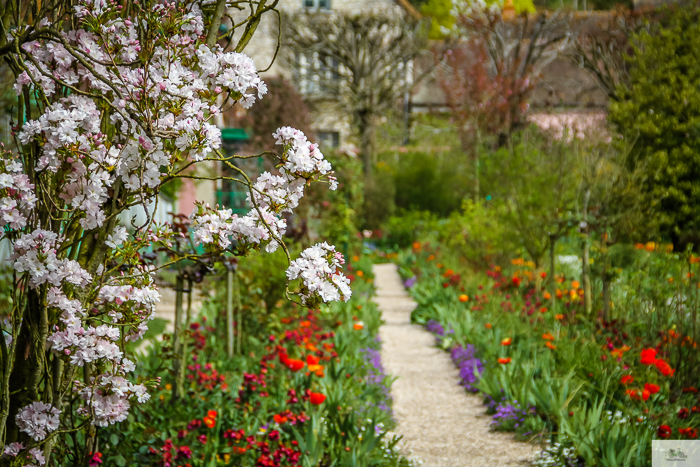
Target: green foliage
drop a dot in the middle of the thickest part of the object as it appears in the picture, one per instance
(659, 110)
(379, 202)
(440, 14)
(532, 183)
(428, 182)
(337, 214)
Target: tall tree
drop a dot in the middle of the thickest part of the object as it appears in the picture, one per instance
(362, 61)
(658, 111)
(115, 101)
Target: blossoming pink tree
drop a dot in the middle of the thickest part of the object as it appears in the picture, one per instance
(114, 101)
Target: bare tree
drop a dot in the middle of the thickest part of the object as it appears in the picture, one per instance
(604, 41)
(489, 71)
(362, 61)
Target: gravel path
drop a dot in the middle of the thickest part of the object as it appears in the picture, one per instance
(441, 424)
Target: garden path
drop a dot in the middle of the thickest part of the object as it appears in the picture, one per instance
(441, 424)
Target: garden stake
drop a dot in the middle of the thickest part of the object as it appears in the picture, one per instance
(239, 315)
(179, 283)
(180, 382)
(229, 312)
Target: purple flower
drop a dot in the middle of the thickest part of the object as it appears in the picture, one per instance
(410, 282)
(435, 327)
(509, 416)
(469, 366)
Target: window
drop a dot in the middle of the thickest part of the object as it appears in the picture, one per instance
(329, 139)
(320, 4)
(316, 74)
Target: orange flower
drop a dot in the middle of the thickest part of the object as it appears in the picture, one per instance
(463, 298)
(360, 273)
(504, 361)
(238, 450)
(448, 273)
(439, 265)
(547, 336)
(560, 294)
(355, 259)
(638, 395)
(280, 419)
(547, 295)
(357, 326)
(314, 368)
(507, 341)
(305, 324)
(431, 257)
(210, 422)
(550, 346)
(575, 284)
(559, 317)
(316, 398)
(690, 433)
(627, 379)
(620, 352)
(543, 309)
(650, 246)
(212, 413)
(416, 246)
(311, 347)
(652, 388)
(487, 325)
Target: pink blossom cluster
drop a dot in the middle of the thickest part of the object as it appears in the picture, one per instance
(301, 157)
(108, 397)
(17, 199)
(33, 455)
(317, 267)
(35, 254)
(219, 228)
(38, 419)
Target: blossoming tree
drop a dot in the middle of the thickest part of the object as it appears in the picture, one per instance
(115, 99)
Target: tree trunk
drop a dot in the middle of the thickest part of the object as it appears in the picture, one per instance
(28, 366)
(366, 127)
(606, 287)
(552, 272)
(183, 341)
(229, 313)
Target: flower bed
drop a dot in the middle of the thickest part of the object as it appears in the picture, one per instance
(598, 392)
(311, 392)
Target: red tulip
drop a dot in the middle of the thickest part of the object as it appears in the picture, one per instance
(627, 379)
(316, 398)
(690, 433)
(295, 365)
(664, 431)
(664, 368)
(648, 356)
(311, 360)
(652, 388)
